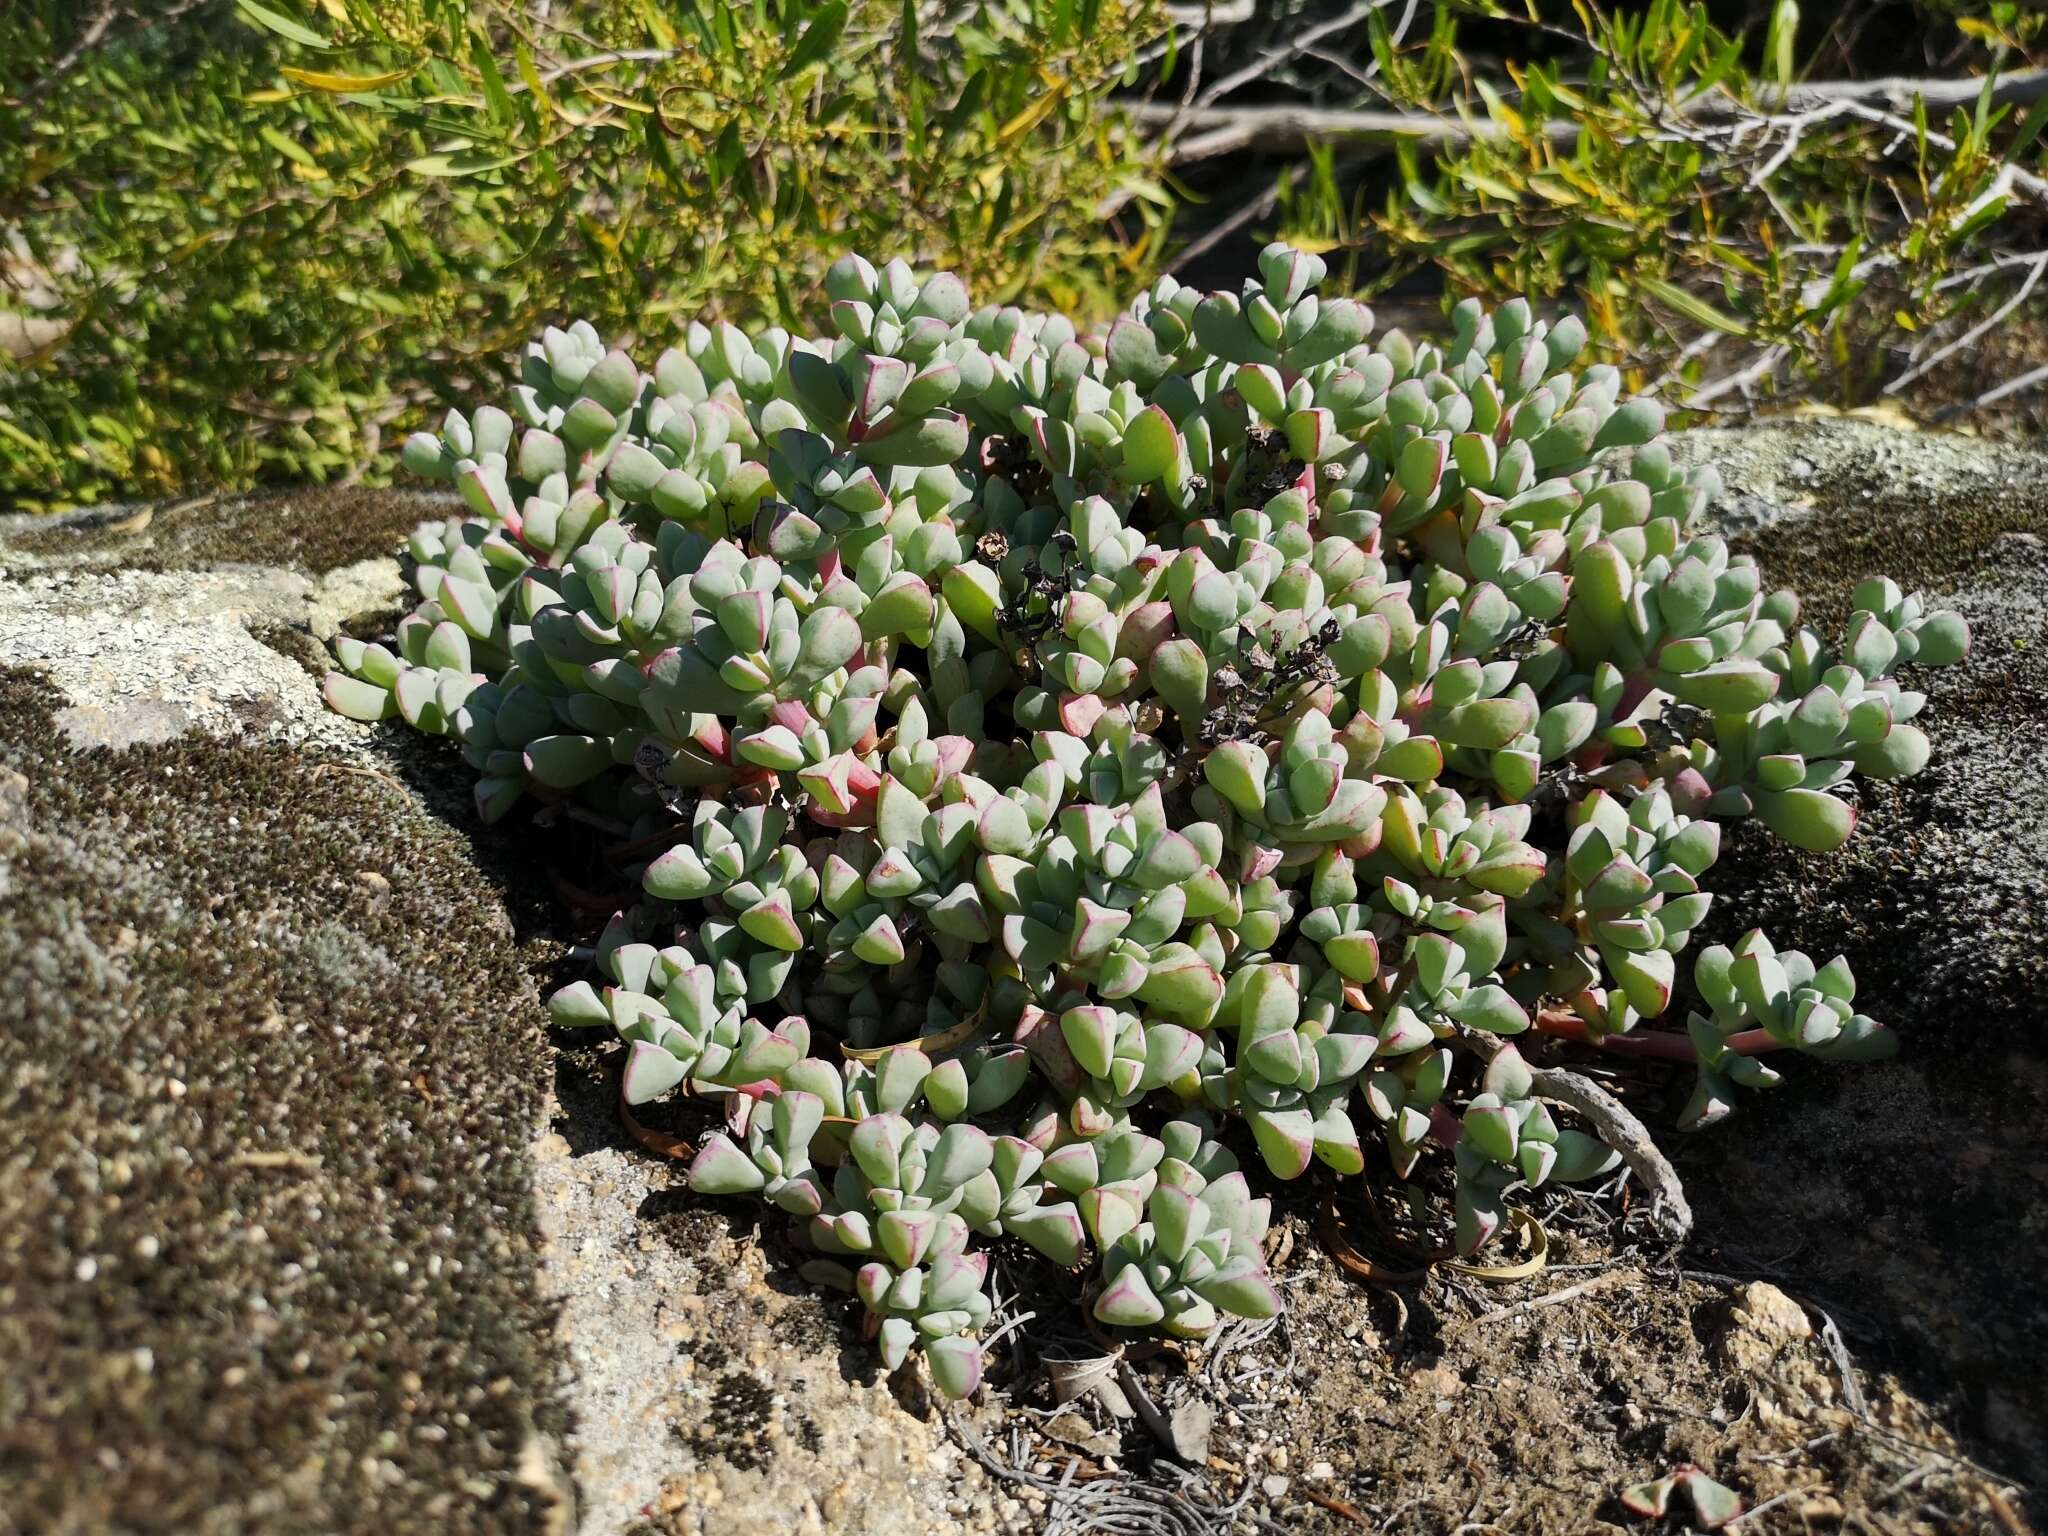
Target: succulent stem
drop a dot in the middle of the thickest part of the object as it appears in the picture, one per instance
(1656, 1044)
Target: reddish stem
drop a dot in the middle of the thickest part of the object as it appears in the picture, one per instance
(1663, 1045)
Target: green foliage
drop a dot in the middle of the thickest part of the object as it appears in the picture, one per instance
(253, 241)
(1048, 750)
(1635, 165)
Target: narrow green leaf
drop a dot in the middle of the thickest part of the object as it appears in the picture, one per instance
(2030, 129)
(818, 40)
(472, 164)
(286, 147)
(495, 94)
(283, 26)
(1693, 307)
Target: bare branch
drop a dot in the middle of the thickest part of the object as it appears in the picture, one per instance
(1599, 1282)
(1212, 15)
(2026, 380)
(1287, 129)
(1765, 363)
(1291, 48)
(1975, 332)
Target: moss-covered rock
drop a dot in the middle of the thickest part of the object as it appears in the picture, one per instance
(267, 1237)
(310, 531)
(1915, 1195)
(297, 1231)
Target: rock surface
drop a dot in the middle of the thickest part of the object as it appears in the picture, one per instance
(1915, 1197)
(307, 1224)
(295, 1234)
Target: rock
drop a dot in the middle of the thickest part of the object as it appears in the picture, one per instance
(1440, 1382)
(1072, 1429)
(1193, 1422)
(1762, 1321)
(1909, 1193)
(268, 1255)
(295, 1232)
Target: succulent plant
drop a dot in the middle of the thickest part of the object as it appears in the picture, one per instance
(1760, 1000)
(895, 1203)
(1192, 1259)
(1507, 1134)
(1028, 744)
(1291, 1077)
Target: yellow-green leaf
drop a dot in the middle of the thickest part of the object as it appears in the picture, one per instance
(320, 80)
(1493, 186)
(1031, 116)
(531, 76)
(472, 164)
(817, 41)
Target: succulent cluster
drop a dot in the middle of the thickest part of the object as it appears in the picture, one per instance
(1047, 751)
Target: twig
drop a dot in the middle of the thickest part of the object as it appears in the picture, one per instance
(298, 1162)
(1900, 1485)
(1599, 1282)
(1156, 1423)
(1773, 1503)
(1292, 48)
(2034, 186)
(1335, 1506)
(1766, 362)
(1257, 208)
(1213, 15)
(1798, 1451)
(1831, 1339)
(1954, 1458)
(2013, 386)
(1974, 332)
(1288, 130)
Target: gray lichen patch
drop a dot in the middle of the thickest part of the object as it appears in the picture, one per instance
(1828, 501)
(141, 656)
(267, 1235)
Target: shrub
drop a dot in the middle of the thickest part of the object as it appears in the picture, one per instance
(1048, 748)
(253, 242)
(1712, 209)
